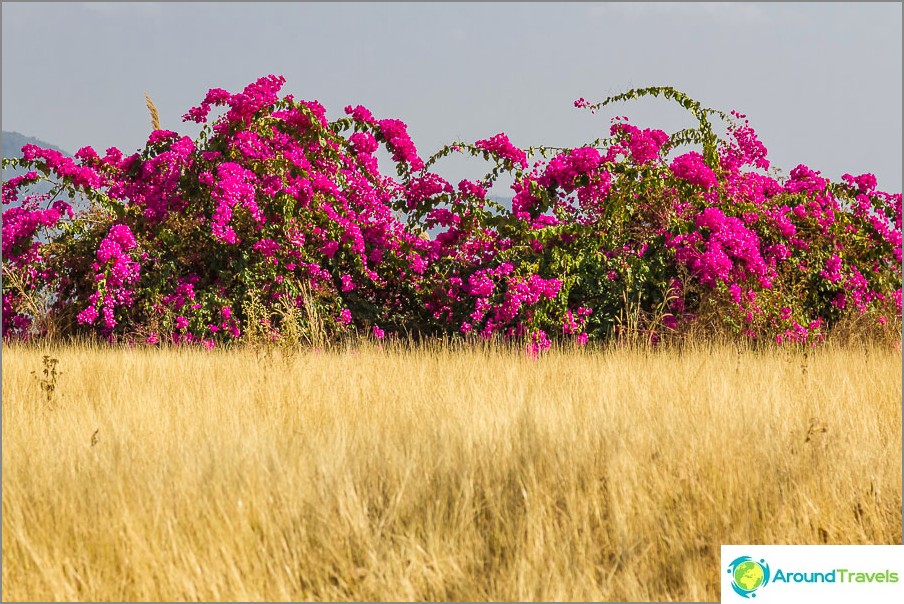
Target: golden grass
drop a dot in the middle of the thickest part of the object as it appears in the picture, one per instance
(152, 109)
(437, 474)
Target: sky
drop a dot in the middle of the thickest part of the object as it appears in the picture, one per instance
(821, 83)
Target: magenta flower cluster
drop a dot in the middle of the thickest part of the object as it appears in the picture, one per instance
(275, 207)
(693, 169)
(501, 147)
(116, 275)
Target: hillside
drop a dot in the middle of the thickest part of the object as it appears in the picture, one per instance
(11, 145)
(12, 142)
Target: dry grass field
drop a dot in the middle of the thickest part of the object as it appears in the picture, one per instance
(435, 474)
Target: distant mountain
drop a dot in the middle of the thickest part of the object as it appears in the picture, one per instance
(11, 144)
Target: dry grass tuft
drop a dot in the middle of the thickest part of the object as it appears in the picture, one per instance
(155, 117)
(438, 474)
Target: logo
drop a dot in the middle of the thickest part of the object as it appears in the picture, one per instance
(748, 575)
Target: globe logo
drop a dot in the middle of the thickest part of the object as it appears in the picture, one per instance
(748, 575)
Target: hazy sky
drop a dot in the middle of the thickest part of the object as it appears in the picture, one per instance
(821, 83)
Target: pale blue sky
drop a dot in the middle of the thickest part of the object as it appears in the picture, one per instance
(821, 83)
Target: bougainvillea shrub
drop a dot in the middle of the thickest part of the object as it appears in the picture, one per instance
(277, 219)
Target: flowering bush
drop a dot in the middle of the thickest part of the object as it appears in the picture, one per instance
(276, 218)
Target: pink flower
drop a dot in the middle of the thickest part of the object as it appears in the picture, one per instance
(360, 114)
(565, 167)
(378, 333)
(643, 144)
(832, 271)
(502, 147)
(426, 187)
(403, 150)
(865, 183)
(479, 284)
(363, 142)
(474, 189)
(267, 247)
(234, 188)
(159, 136)
(693, 169)
(89, 315)
(539, 342)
